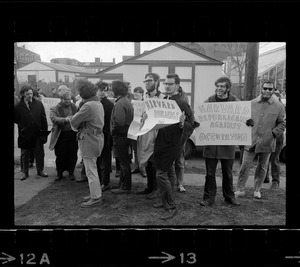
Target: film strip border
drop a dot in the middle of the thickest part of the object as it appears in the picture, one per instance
(149, 247)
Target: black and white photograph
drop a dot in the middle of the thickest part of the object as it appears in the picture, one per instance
(149, 134)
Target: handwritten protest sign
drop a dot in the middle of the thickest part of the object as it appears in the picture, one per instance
(160, 113)
(223, 123)
(135, 126)
(49, 102)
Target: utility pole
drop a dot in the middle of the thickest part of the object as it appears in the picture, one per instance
(251, 69)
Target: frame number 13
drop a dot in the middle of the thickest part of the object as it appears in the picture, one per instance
(189, 258)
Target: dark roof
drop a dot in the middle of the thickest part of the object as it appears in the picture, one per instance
(67, 68)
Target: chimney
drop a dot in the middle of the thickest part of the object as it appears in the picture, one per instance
(114, 60)
(137, 48)
(97, 60)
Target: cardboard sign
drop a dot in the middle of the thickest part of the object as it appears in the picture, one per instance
(160, 113)
(223, 123)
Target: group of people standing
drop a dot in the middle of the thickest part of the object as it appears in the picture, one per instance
(99, 127)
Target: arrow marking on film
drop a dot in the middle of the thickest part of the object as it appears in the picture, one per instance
(166, 258)
(7, 259)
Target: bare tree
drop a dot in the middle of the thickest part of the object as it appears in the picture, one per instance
(237, 60)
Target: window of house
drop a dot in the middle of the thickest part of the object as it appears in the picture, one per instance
(66, 78)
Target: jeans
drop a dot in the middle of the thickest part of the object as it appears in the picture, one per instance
(121, 148)
(260, 172)
(104, 162)
(210, 187)
(179, 166)
(93, 178)
(166, 183)
(151, 176)
(274, 161)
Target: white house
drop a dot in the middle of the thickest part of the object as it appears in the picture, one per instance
(50, 72)
(196, 71)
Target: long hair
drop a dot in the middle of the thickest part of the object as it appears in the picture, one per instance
(86, 89)
(119, 88)
(222, 80)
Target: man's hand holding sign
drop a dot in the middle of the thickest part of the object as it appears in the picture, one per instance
(160, 113)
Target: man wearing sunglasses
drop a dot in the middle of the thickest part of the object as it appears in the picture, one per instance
(268, 115)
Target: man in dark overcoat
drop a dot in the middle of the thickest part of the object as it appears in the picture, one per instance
(168, 146)
(30, 116)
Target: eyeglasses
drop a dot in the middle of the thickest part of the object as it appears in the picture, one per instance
(148, 81)
(268, 88)
(170, 84)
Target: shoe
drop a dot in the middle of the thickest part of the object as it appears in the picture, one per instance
(71, 177)
(24, 177)
(91, 203)
(115, 187)
(267, 180)
(118, 173)
(152, 195)
(257, 194)
(158, 205)
(239, 193)
(206, 203)
(86, 198)
(135, 170)
(143, 173)
(105, 187)
(274, 186)
(169, 214)
(232, 202)
(181, 188)
(143, 192)
(42, 174)
(120, 191)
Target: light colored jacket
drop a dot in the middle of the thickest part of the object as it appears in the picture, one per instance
(58, 121)
(89, 122)
(269, 123)
(145, 142)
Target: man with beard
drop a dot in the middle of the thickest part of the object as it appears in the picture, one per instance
(268, 115)
(30, 116)
(145, 143)
(63, 138)
(168, 146)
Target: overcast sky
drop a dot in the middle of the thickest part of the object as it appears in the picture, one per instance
(86, 51)
(106, 51)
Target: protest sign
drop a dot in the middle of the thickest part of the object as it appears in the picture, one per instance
(49, 102)
(223, 123)
(135, 126)
(160, 113)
